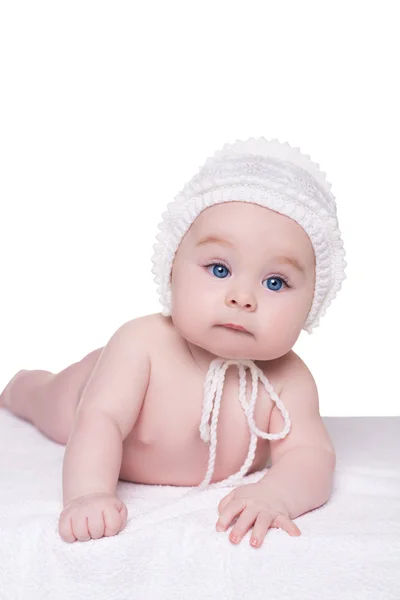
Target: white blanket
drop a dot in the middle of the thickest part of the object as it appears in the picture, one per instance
(349, 548)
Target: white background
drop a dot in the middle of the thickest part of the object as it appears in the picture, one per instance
(109, 108)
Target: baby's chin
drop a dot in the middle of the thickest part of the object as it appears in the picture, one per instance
(238, 345)
(231, 344)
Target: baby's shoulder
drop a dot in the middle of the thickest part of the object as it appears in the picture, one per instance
(284, 368)
(289, 362)
(146, 321)
(153, 330)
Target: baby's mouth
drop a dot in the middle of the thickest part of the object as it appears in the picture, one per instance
(235, 329)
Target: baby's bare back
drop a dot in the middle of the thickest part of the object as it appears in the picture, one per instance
(164, 446)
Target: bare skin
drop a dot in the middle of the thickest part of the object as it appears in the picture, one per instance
(164, 446)
(132, 409)
(163, 431)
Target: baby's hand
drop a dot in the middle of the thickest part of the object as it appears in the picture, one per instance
(91, 517)
(254, 504)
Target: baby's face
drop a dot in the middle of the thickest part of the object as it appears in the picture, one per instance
(253, 281)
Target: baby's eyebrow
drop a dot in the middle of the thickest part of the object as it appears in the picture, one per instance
(211, 239)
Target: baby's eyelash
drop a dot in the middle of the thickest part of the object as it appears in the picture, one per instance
(285, 279)
(278, 275)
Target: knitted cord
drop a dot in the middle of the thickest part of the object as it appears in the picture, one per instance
(213, 387)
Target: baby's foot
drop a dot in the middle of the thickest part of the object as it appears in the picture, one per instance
(5, 396)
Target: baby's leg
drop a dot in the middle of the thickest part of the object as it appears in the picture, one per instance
(49, 400)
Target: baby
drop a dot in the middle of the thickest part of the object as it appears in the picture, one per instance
(248, 255)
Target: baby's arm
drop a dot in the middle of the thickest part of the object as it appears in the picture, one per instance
(303, 462)
(108, 409)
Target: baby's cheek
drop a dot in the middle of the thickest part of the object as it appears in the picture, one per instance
(280, 332)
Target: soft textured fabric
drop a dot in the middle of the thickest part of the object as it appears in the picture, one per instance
(270, 174)
(349, 548)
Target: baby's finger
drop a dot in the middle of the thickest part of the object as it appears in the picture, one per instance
(123, 511)
(80, 527)
(65, 529)
(285, 523)
(243, 524)
(230, 511)
(261, 526)
(112, 520)
(96, 524)
(225, 501)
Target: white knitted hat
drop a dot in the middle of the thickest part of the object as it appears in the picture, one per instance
(270, 174)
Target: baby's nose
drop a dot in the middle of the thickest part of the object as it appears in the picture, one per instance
(245, 301)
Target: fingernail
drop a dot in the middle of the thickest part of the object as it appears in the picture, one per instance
(254, 542)
(220, 528)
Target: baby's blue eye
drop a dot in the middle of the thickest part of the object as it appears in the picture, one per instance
(274, 283)
(219, 270)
